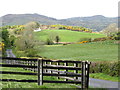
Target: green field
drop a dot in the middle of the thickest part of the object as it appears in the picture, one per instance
(65, 35)
(28, 77)
(93, 51)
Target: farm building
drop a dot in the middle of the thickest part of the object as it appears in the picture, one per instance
(37, 30)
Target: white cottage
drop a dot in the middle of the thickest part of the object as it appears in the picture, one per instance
(37, 30)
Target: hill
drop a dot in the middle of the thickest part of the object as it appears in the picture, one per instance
(19, 19)
(66, 35)
(111, 29)
(97, 23)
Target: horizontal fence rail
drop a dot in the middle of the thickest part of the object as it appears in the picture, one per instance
(68, 61)
(9, 65)
(21, 59)
(65, 71)
(61, 67)
(20, 73)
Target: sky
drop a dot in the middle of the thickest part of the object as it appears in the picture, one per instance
(60, 9)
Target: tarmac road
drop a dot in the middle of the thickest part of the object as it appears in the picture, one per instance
(9, 53)
(98, 83)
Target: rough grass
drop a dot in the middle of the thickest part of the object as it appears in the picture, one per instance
(66, 35)
(94, 51)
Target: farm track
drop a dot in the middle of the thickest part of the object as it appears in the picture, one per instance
(94, 83)
(9, 53)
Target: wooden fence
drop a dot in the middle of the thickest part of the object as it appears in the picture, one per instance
(66, 71)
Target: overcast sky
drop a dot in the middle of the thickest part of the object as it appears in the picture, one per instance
(60, 9)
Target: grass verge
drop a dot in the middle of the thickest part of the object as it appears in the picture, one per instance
(104, 77)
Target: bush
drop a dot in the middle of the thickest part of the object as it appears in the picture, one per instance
(49, 42)
(85, 39)
(117, 38)
(111, 69)
(100, 39)
(31, 52)
(57, 39)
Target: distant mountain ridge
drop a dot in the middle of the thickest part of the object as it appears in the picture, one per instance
(97, 22)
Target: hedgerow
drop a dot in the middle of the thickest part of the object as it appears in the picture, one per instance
(110, 68)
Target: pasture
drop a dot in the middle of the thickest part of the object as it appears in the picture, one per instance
(65, 35)
(93, 51)
(102, 51)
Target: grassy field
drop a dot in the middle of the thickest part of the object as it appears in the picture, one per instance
(66, 35)
(94, 51)
(28, 77)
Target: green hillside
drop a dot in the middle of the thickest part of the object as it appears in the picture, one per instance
(66, 35)
(94, 51)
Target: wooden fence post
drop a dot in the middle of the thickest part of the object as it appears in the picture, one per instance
(45, 65)
(76, 71)
(87, 81)
(83, 75)
(27, 64)
(31, 65)
(58, 63)
(34, 65)
(66, 64)
(50, 65)
(22, 63)
(13, 61)
(40, 71)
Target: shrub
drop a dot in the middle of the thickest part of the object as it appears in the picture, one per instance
(49, 42)
(31, 52)
(85, 39)
(83, 42)
(111, 69)
(57, 39)
(100, 39)
(64, 44)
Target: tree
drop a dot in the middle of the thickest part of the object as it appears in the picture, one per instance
(32, 25)
(51, 38)
(110, 30)
(57, 39)
(5, 38)
(117, 36)
(12, 40)
(27, 42)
